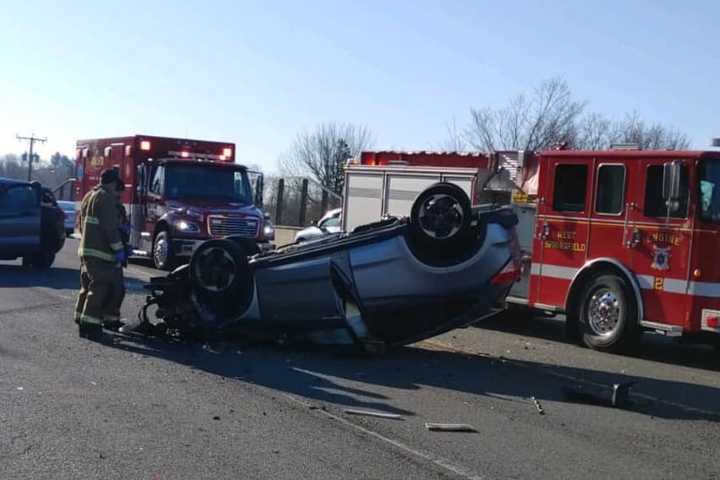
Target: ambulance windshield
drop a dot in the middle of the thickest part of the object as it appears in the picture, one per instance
(212, 183)
(710, 190)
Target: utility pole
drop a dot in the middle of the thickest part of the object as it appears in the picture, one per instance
(31, 139)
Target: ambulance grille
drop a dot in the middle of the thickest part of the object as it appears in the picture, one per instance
(221, 226)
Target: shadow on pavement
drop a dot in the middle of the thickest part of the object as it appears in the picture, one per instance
(15, 276)
(655, 348)
(320, 376)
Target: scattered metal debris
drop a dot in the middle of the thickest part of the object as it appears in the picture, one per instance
(370, 413)
(538, 406)
(450, 427)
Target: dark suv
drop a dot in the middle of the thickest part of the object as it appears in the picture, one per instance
(31, 223)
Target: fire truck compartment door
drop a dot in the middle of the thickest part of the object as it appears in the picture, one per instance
(363, 201)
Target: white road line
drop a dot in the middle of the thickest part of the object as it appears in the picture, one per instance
(547, 371)
(430, 457)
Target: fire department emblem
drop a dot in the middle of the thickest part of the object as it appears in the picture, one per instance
(661, 258)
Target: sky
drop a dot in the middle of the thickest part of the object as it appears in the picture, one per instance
(258, 73)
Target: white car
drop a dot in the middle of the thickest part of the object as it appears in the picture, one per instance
(69, 209)
(329, 223)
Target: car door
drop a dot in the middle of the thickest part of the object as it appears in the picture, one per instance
(20, 224)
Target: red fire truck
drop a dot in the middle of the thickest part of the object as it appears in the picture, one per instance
(179, 192)
(621, 241)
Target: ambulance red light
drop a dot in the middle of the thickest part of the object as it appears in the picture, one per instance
(184, 154)
(145, 145)
(227, 152)
(713, 322)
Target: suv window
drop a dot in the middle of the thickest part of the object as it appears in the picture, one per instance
(570, 188)
(654, 202)
(610, 189)
(18, 198)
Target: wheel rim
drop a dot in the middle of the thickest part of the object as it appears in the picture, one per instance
(215, 270)
(160, 252)
(604, 308)
(441, 216)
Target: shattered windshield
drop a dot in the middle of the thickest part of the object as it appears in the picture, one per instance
(208, 183)
(710, 190)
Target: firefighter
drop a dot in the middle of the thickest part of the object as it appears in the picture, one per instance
(102, 255)
(113, 321)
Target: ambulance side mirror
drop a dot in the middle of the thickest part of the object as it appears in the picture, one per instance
(671, 182)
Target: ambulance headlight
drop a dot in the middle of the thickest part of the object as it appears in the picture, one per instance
(269, 231)
(187, 227)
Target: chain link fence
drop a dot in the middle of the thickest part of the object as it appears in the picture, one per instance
(297, 201)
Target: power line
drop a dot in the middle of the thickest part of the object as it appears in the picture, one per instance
(31, 139)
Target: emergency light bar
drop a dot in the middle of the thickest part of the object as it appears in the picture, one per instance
(197, 156)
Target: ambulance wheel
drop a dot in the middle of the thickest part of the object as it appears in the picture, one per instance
(162, 254)
(608, 314)
(221, 278)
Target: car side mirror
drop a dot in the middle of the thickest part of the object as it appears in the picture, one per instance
(671, 184)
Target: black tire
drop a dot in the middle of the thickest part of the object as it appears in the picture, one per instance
(221, 278)
(440, 234)
(41, 261)
(608, 314)
(162, 254)
(441, 214)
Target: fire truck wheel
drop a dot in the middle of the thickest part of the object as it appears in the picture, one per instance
(608, 314)
(221, 278)
(162, 254)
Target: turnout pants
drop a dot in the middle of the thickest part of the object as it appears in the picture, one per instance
(101, 292)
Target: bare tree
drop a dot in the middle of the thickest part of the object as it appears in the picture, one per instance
(322, 153)
(550, 116)
(455, 140)
(533, 122)
(595, 132)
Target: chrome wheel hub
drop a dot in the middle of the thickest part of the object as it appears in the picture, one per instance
(160, 252)
(215, 270)
(604, 312)
(441, 216)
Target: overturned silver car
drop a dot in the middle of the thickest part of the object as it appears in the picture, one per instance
(389, 283)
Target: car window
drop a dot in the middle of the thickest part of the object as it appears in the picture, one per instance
(18, 198)
(331, 222)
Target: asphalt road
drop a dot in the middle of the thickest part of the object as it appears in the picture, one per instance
(150, 409)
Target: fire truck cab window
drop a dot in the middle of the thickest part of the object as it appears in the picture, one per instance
(610, 189)
(570, 188)
(710, 190)
(654, 202)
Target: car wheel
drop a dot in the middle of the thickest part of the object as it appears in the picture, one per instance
(221, 278)
(608, 314)
(440, 231)
(162, 254)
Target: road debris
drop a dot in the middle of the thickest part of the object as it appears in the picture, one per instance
(371, 413)
(617, 395)
(450, 427)
(538, 406)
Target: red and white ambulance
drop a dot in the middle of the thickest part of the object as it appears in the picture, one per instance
(179, 193)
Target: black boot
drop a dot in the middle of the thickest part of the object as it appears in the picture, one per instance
(91, 331)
